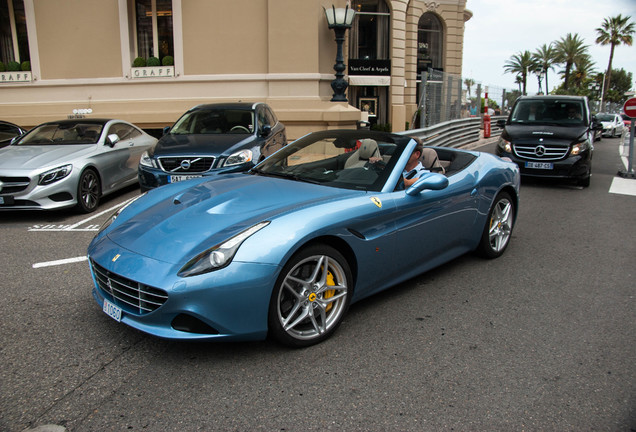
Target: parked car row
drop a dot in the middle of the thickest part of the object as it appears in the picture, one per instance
(75, 162)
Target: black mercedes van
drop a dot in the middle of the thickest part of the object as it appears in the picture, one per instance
(550, 136)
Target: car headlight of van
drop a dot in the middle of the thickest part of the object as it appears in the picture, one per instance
(54, 175)
(239, 158)
(147, 161)
(505, 145)
(220, 255)
(579, 148)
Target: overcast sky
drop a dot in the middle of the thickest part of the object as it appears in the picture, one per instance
(502, 28)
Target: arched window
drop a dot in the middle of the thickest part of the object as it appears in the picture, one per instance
(430, 42)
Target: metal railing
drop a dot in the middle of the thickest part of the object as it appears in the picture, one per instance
(454, 133)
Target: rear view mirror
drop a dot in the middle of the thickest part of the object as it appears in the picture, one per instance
(266, 130)
(501, 123)
(430, 181)
(112, 139)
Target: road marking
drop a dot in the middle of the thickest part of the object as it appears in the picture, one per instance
(75, 226)
(60, 262)
(620, 185)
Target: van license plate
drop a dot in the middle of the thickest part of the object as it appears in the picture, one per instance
(539, 165)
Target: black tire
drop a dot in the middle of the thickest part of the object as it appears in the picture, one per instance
(310, 298)
(498, 230)
(89, 191)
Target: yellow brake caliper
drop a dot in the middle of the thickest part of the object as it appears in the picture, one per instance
(329, 293)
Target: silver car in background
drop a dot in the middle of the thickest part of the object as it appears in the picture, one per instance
(70, 163)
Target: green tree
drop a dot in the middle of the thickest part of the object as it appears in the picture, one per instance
(469, 82)
(568, 50)
(544, 58)
(520, 64)
(584, 68)
(621, 84)
(614, 31)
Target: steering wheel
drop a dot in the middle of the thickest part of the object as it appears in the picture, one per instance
(239, 127)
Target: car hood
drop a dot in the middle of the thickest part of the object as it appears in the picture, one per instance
(41, 156)
(529, 132)
(212, 145)
(174, 227)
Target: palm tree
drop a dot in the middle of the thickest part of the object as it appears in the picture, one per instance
(545, 57)
(569, 49)
(469, 82)
(584, 69)
(614, 31)
(520, 63)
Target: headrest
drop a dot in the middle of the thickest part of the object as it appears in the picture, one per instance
(368, 148)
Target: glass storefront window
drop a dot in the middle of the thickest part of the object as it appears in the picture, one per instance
(153, 25)
(14, 43)
(430, 35)
(369, 37)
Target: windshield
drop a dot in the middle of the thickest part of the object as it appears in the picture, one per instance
(604, 117)
(62, 134)
(215, 121)
(343, 159)
(548, 111)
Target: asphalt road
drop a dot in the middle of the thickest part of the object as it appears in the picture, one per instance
(542, 338)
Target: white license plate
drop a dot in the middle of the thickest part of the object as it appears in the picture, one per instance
(175, 179)
(539, 165)
(112, 311)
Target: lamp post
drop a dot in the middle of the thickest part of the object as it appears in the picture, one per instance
(339, 20)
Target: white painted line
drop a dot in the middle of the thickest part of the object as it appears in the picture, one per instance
(60, 262)
(623, 186)
(58, 228)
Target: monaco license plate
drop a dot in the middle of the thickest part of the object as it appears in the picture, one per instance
(539, 165)
(175, 179)
(112, 311)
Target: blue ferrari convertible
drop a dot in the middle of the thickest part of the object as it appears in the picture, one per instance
(285, 248)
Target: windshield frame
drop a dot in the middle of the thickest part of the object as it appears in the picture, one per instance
(322, 156)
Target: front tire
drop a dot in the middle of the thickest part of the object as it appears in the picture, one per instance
(310, 298)
(498, 229)
(88, 191)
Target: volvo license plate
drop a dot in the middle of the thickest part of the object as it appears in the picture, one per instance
(175, 179)
(112, 311)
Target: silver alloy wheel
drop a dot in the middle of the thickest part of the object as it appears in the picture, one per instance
(501, 221)
(89, 190)
(313, 297)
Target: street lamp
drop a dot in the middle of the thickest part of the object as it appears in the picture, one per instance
(339, 20)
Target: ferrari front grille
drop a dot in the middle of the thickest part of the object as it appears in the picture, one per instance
(131, 296)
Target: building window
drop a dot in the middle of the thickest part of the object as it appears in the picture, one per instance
(369, 37)
(430, 38)
(153, 28)
(369, 45)
(14, 43)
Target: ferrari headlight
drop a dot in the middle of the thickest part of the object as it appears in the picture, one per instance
(146, 160)
(220, 255)
(54, 175)
(239, 157)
